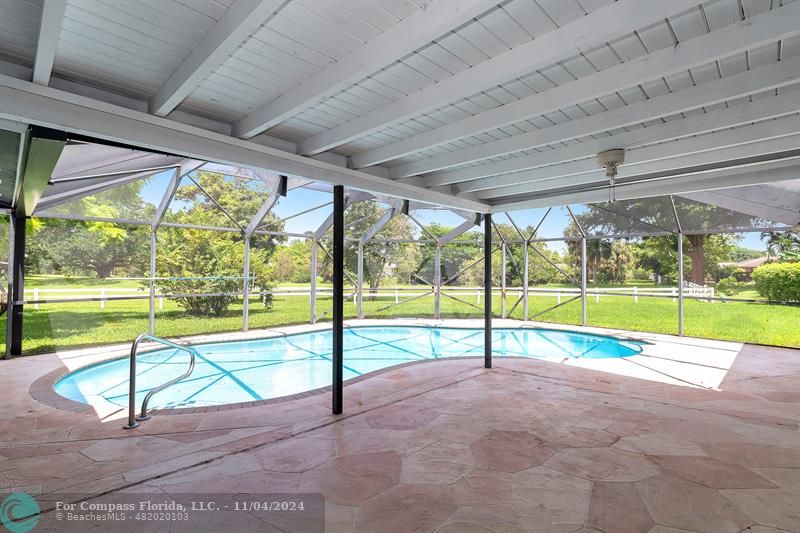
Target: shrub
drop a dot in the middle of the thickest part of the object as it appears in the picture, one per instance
(729, 286)
(207, 306)
(778, 281)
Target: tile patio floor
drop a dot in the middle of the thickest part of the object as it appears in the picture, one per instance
(450, 447)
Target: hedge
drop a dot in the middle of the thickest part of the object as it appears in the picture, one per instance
(778, 281)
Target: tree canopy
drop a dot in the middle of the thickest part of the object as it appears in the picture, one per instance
(83, 248)
(657, 215)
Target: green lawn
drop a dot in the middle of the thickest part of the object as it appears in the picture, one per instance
(60, 326)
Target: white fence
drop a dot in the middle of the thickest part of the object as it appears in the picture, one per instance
(105, 294)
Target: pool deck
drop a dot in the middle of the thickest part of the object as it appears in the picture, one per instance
(691, 435)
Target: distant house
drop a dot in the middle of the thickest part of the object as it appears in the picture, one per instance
(745, 268)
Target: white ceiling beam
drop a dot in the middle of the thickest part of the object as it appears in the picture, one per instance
(762, 149)
(427, 24)
(677, 184)
(240, 21)
(513, 171)
(25, 73)
(585, 33)
(49, 32)
(766, 28)
(45, 106)
(758, 140)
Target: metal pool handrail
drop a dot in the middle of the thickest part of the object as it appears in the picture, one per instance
(132, 418)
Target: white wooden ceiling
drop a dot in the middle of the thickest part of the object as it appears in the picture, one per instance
(497, 103)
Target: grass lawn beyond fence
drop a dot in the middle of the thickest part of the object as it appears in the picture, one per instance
(68, 325)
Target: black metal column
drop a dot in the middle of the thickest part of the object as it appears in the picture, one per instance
(338, 297)
(487, 290)
(16, 285)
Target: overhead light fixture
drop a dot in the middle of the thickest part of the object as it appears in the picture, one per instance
(610, 160)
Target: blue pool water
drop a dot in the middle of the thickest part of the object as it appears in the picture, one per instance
(245, 371)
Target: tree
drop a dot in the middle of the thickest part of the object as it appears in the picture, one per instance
(739, 254)
(83, 248)
(91, 247)
(292, 261)
(656, 214)
(193, 261)
(784, 245)
(378, 255)
(660, 255)
(466, 255)
(455, 255)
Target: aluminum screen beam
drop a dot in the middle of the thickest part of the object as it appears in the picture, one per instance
(457, 232)
(186, 167)
(775, 201)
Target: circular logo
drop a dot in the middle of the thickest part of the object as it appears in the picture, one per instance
(19, 512)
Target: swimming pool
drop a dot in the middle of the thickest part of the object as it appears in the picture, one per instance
(251, 370)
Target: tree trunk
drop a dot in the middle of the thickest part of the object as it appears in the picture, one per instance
(698, 258)
(104, 270)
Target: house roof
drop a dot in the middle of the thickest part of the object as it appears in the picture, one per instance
(753, 263)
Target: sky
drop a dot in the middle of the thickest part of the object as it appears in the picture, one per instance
(302, 199)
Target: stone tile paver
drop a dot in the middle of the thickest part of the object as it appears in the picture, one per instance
(710, 472)
(603, 464)
(406, 508)
(774, 508)
(548, 500)
(617, 507)
(682, 504)
(511, 451)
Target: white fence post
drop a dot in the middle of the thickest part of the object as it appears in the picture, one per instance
(558, 298)
(102, 297)
(674, 292)
(396, 296)
(36, 298)
(636, 295)
(597, 295)
(161, 302)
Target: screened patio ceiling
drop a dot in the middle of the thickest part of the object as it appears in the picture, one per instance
(477, 105)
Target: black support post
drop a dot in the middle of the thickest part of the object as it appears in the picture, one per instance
(338, 297)
(487, 290)
(16, 285)
(41, 149)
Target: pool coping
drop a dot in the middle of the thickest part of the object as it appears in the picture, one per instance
(42, 389)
